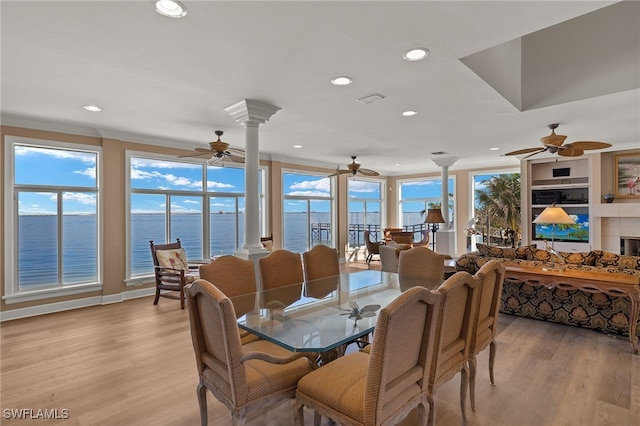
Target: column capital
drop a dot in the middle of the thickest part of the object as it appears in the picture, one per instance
(445, 161)
(249, 111)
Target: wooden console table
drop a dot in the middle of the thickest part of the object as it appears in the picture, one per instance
(612, 284)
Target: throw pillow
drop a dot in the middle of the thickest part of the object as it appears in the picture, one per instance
(268, 245)
(173, 258)
(524, 252)
(483, 249)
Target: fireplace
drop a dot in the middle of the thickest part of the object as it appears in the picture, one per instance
(630, 246)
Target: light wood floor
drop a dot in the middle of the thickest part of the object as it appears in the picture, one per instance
(132, 363)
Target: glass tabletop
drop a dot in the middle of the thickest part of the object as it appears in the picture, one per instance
(320, 315)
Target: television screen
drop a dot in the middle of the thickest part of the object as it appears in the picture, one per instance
(578, 233)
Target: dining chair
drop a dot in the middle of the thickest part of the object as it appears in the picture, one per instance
(236, 278)
(389, 258)
(172, 271)
(491, 274)
(383, 387)
(372, 246)
(282, 276)
(421, 262)
(321, 271)
(458, 306)
(243, 377)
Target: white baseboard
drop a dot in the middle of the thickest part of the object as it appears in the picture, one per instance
(66, 305)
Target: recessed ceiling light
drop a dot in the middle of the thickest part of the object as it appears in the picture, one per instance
(171, 8)
(92, 108)
(493, 149)
(342, 80)
(297, 146)
(409, 113)
(397, 164)
(416, 54)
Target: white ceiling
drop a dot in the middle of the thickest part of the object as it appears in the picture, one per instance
(168, 81)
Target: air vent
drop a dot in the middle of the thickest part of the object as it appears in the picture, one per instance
(438, 153)
(371, 98)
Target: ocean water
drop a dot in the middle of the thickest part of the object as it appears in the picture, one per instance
(38, 260)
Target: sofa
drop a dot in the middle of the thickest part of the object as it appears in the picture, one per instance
(593, 310)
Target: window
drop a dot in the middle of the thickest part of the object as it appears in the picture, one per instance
(417, 196)
(496, 207)
(201, 205)
(52, 235)
(308, 211)
(365, 210)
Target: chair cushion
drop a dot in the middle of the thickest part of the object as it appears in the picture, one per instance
(340, 385)
(173, 258)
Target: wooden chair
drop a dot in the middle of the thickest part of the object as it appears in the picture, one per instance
(454, 340)
(267, 242)
(243, 377)
(424, 240)
(236, 278)
(171, 271)
(491, 274)
(402, 237)
(372, 246)
(383, 387)
(282, 277)
(321, 270)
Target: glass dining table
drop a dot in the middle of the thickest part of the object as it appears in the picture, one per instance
(323, 315)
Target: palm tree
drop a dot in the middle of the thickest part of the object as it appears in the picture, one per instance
(500, 199)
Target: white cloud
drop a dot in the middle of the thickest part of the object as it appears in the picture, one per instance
(363, 186)
(421, 183)
(87, 157)
(89, 171)
(311, 188)
(80, 197)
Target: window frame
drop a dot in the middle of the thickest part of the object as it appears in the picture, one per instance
(331, 198)
(205, 197)
(382, 200)
(12, 292)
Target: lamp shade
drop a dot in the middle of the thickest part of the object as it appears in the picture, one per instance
(554, 215)
(434, 216)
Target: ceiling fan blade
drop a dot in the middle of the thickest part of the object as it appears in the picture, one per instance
(567, 151)
(368, 172)
(234, 151)
(525, 151)
(369, 308)
(205, 150)
(588, 145)
(235, 158)
(340, 172)
(207, 154)
(534, 153)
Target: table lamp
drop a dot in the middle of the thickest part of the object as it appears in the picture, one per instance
(434, 217)
(554, 216)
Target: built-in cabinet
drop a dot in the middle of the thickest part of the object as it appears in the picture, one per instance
(564, 182)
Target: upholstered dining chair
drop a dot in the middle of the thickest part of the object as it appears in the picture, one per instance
(282, 277)
(421, 262)
(171, 270)
(458, 307)
(236, 278)
(372, 246)
(321, 271)
(491, 274)
(242, 377)
(389, 258)
(383, 387)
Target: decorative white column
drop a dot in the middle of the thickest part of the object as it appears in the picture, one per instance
(251, 114)
(446, 236)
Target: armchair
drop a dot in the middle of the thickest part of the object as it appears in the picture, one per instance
(171, 270)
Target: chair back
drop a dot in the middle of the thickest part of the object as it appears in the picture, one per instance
(491, 274)
(402, 237)
(389, 258)
(281, 268)
(402, 353)
(168, 246)
(216, 341)
(421, 262)
(321, 270)
(372, 246)
(459, 301)
(235, 277)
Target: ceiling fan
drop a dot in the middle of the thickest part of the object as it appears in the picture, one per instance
(355, 168)
(218, 151)
(554, 145)
(358, 314)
